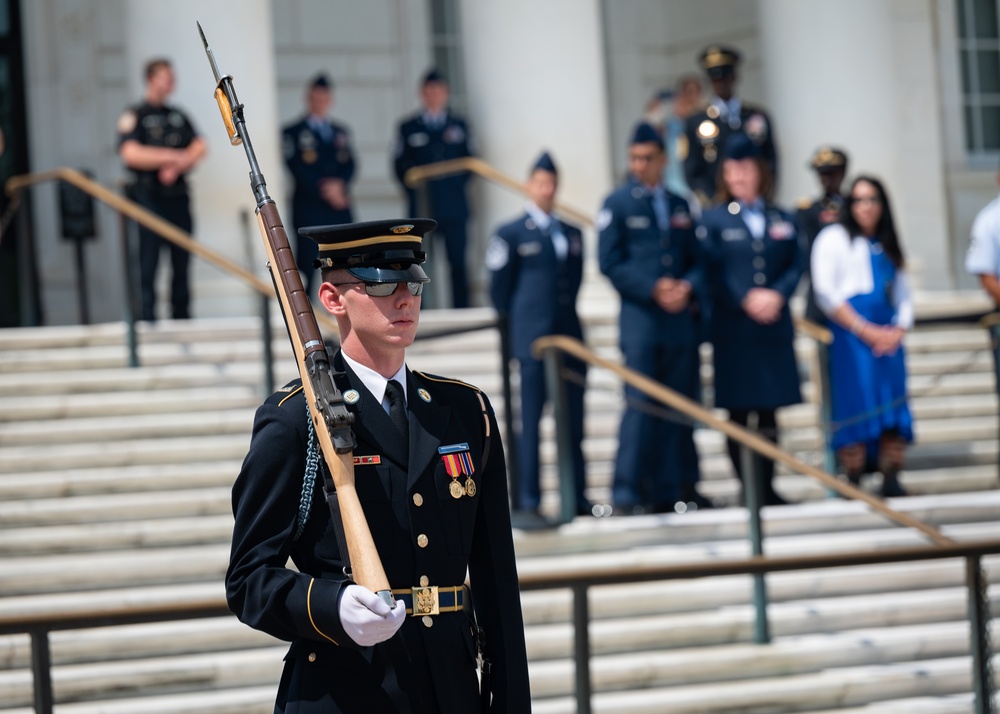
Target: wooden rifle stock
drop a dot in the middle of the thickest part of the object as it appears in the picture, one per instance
(331, 419)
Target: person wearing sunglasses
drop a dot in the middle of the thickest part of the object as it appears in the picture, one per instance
(430, 475)
(860, 281)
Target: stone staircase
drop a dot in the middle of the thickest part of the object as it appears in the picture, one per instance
(115, 482)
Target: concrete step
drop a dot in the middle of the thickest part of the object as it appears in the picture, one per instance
(166, 401)
(840, 686)
(65, 483)
(114, 454)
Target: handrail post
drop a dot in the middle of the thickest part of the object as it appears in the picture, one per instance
(128, 255)
(979, 640)
(560, 413)
(28, 296)
(41, 670)
(753, 490)
(581, 640)
(511, 442)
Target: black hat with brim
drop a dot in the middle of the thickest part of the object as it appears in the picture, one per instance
(375, 251)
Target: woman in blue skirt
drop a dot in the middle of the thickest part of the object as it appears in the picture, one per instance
(861, 285)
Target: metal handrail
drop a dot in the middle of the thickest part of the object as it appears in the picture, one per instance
(418, 175)
(196, 605)
(16, 184)
(693, 410)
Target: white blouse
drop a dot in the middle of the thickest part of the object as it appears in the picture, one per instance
(841, 268)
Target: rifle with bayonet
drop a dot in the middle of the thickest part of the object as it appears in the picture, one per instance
(331, 419)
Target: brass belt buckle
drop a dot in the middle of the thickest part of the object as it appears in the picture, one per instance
(425, 600)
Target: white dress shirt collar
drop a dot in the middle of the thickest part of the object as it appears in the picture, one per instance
(374, 381)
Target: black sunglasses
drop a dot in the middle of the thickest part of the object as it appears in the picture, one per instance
(385, 289)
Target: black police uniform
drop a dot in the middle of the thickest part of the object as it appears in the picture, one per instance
(815, 215)
(657, 463)
(754, 364)
(314, 153)
(536, 289)
(417, 144)
(168, 127)
(428, 532)
(707, 132)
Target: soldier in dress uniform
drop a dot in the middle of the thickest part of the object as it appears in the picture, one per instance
(536, 266)
(159, 146)
(318, 153)
(648, 249)
(431, 135)
(431, 478)
(708, 131)
(754, 263)
(830, 165)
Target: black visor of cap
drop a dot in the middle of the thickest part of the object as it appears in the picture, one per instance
(390, 273)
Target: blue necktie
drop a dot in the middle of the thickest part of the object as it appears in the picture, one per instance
(660, 209)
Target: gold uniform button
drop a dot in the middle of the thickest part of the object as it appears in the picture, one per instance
(418, 500)
(424, 581)
(422, 540)
(428, 621)
(312, 656)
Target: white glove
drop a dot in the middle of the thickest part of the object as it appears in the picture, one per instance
(366, 618)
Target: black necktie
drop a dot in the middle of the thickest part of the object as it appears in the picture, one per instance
(397, 408)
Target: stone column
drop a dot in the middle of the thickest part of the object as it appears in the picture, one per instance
(240, 35)
(536, 81)
(862, 75)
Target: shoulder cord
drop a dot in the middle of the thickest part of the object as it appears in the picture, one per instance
(308, 479)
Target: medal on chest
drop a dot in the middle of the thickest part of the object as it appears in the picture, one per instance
(457, 463)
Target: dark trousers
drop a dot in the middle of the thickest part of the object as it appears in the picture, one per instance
(533, 397)
(176, 210)
(767, 427)
(454, 232)
(657, 460)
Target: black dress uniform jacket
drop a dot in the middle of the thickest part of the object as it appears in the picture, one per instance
(706, 134)
(755, 364)
(311, 158)
(812, 217)
(419, 528)
(416, 145)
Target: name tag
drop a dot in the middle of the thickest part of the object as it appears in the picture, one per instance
(730, 234)
(418, 139)
(637, 222)
(526, 249)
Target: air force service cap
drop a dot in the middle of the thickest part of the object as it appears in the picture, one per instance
(376, 251)
(739, 146)
(321, 81)
(545, 163)
(646, 133)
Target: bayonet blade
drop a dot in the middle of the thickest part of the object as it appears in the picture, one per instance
(211, 55)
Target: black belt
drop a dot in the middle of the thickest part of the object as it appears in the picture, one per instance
(431, 599)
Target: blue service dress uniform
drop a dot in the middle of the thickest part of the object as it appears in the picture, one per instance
(417, 144)
(313, 154)
(424, 535)
(754, 364)
(168, 127)
(707, 134)
(657, 463)
(537, 290)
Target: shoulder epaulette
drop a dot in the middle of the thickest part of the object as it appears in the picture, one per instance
(447, 380)
(292, 393)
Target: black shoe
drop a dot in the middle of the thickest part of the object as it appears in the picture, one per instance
(588, 509)
(892, 488)
(695, 501)
(773, 499)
